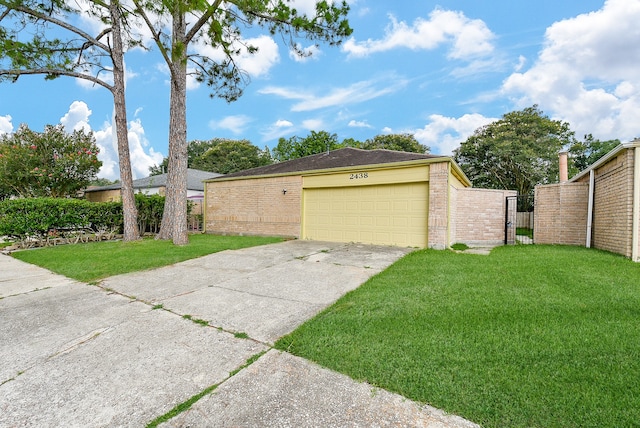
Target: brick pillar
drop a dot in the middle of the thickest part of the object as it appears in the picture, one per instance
(438, 205)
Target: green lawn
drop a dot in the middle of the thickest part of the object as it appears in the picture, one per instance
(97, 260)
(523, 231)
(530, 336)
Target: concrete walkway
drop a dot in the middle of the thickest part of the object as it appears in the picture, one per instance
(80, 355)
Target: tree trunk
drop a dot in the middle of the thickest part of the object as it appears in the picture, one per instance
(129, 210)
(174, 218)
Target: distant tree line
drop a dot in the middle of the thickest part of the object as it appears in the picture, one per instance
(520, 151)
(225, 156)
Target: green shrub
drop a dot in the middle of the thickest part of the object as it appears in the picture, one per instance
(38, 218)
(150, 210)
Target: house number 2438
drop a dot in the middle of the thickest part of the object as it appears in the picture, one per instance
(358, 175)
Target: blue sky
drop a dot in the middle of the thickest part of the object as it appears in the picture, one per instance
(438, 70)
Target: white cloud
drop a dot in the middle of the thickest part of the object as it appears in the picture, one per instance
(444, 134)
(6, 127)
(260, 63)
(587, 73)
(142, 155)
(357, 93)
(359, 124)
(235, 124)
(467, 38)
(108, 153)
(192, 80)
(283, 124)
(313, 124)
(308, 7)
(476, 67)
(363, 11)
(255, 64)
(278, 129)
(521, 63)
(77, 118)
(312, 52)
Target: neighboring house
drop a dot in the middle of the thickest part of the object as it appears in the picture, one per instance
(152, 185)
(353, 195)
(156, 185)
(599, 207)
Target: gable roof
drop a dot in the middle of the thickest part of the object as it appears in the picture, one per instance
(195, 178)
(340, 158)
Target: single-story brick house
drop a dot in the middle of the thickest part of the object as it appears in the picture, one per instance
(152, 185)
(599, 207)
(353, 195)
(156, 185)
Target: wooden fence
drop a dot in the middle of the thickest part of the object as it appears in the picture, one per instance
(524, 220)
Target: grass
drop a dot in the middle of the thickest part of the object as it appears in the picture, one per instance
(198, 321)
(96, 260)
(459, 247)
(530, 336)
(523, 231)
(186, 405)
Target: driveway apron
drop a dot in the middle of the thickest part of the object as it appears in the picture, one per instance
(131, 348)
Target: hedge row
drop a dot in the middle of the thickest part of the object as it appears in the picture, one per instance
(40, 218)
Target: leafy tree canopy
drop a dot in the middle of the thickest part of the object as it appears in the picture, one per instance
(60, 38)
(220, 155)
(296, 147)
(321, 141)
(399, 142)
(102, 182)
(585, 153)
(227, 156)
(516, 152)
(52, 163)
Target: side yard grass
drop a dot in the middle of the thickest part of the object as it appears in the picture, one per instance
(530, 336)
(96, 260)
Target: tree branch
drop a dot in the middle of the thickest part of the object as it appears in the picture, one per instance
(4, 14)
(203, 20)
(62, 24)
(155, 34)
(55, 73)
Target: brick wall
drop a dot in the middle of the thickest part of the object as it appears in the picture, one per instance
(103, 196)
(560, 215)
(453, 213)
(438, 205)
(613, 205)
(480, 216)
(254, 206)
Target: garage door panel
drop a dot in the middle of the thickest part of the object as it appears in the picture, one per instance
(384, 214)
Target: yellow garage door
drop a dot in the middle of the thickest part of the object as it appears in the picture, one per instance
(393, 214)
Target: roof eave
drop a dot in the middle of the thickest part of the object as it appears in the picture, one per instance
(387, 165)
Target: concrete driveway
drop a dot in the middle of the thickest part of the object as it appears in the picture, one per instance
(128, 350)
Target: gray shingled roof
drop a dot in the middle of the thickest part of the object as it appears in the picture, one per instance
(195, 179)
(335, 159)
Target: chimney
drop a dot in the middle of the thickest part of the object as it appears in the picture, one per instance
(564, 172)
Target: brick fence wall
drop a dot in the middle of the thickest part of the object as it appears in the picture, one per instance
(255, 205)
(480, 216)
(560, 215)
(562, 209)
(613, 205)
